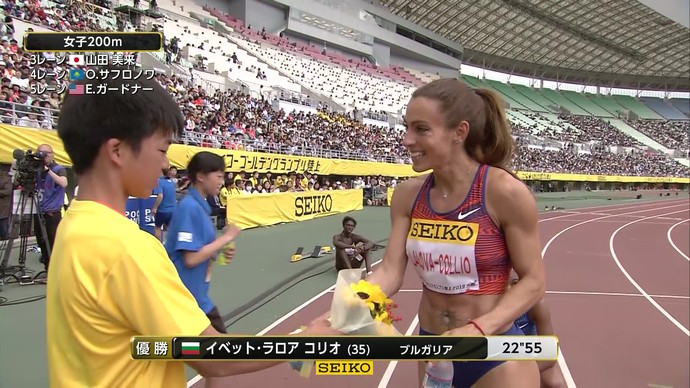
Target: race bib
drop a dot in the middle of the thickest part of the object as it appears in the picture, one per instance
(443, 254)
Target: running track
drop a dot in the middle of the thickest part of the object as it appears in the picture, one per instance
(618, 290)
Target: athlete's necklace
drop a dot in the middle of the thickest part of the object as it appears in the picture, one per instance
(445, 195)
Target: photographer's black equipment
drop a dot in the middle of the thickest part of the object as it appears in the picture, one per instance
(22, 219)
(28, 166)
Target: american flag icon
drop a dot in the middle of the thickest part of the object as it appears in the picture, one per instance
(76, 89)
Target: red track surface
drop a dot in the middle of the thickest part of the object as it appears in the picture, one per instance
(606, 267)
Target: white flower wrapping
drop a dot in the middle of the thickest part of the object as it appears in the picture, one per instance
(349, 314)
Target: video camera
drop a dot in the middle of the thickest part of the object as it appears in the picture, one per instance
(29, 163)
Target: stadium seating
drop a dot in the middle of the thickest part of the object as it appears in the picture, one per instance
(683, 105)
(663, 108)
(559, 130)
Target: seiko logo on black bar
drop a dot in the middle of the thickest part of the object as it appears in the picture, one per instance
(313, 204)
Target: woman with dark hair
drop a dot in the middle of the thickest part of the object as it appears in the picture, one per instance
(464, 226)
(193, 243)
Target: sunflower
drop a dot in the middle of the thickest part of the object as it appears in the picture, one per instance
(377, 301)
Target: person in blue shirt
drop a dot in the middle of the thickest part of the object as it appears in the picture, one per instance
(192, 243)
(537, 321)
(166, 202)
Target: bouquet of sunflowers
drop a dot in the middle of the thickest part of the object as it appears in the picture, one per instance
(358, 308)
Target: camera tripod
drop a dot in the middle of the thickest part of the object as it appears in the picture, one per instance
(21, 226)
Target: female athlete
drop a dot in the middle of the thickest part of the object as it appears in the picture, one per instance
(464, 226)
(537, 321)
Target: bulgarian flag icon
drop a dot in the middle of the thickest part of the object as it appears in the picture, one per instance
(190, 348)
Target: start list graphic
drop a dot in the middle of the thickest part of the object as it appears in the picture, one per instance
(82, 63)
(79, 74)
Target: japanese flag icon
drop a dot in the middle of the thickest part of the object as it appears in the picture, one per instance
(75, 60)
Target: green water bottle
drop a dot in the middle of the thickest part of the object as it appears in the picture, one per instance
(221, 256)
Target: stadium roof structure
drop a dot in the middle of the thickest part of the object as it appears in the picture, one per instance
(611, 43)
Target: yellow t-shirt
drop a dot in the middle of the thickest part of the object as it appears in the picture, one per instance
(224, 196)
(109, 281)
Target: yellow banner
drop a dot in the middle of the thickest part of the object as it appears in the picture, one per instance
(236, 161)
(252, 210)
(12, 137)
(561, 177)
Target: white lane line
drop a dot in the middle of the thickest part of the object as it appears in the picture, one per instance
(634, 283)
(590, 293)
(670, 239)
(388, 373)
(570, 382)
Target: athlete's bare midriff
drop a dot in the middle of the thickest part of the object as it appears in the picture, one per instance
(439, 313)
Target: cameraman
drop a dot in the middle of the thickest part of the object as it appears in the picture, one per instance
(6, 193)
(50, 184)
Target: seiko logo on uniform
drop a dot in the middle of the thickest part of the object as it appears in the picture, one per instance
(313, 204)
(446, 231)
(442, 253)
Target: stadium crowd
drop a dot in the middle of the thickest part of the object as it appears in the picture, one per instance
(234, 120)
(582, 129)
(375, 188)
(670, 134)
(598, 163)
(595, 129)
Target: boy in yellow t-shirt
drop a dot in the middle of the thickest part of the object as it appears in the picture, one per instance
(109, 280)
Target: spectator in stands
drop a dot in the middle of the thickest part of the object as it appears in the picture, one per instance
(593, 128)
(351, 250)
(631, 163)
(462, 135)
(671, 134)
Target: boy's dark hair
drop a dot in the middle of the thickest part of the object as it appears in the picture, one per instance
(88, 121)
(204, 162)
(349, 219)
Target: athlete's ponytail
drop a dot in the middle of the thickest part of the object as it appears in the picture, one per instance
(496, 145)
